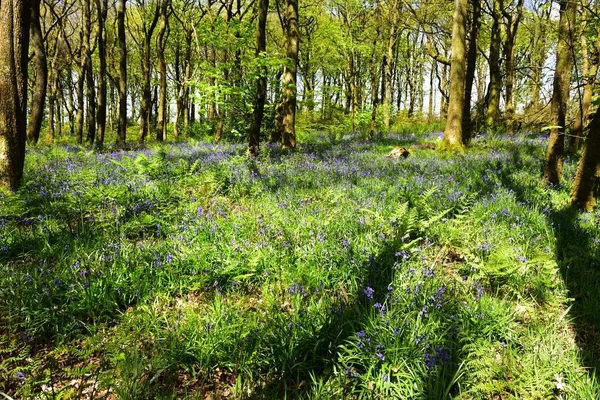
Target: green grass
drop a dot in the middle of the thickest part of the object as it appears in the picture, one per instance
(329, 272)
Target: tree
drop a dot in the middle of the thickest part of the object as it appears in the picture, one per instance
(470, 71)
(495, 85)
(453, 139)
(288, 134)
(513, 19)
(146, 29)
(261, 83)
(585, 185)
(161, 125)
(14, 46)
(41, 75)
(102, 11)
(560, 93)
(589, 68)
(122, 130)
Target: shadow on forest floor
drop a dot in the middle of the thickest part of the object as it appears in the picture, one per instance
(579, 265)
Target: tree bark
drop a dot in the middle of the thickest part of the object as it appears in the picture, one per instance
(261, 84)
(161, 124)
(388, 68)
(145, 108)
(453, 139)
(560, 94)
(14, 45)
(470, 72)
(288, 134)
(589, 66)
(493, 95)
(102, 11)
(512, 26)
(41, 75)
(585, 185)
(91, 98)
(122, 130)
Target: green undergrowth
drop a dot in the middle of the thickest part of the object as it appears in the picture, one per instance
(188, 270)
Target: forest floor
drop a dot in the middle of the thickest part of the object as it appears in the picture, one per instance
(331, 272)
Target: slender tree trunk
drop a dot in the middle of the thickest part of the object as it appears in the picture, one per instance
(453, 139)
(387, 77)
(289, 75)
(52, 108)
(41, 75)
(278, 110)
(374, 85)
(444, 92)
(179, 88)
(493, 95)
(470, 72)
(261, 84)
(161, 124)
(91, 98)
(589, 66)
(512, 26)
(145, 109)
(102, 11)
(122, 130)
(188, 77)
(79, 121)
(430, 114)
(560, 94)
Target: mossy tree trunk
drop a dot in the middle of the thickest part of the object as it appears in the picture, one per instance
(560, 93)
(453, 139)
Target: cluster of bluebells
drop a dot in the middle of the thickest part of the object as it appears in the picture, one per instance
(296, 288)
(439, 356)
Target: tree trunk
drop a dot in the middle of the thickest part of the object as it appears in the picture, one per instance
(387, 77)
(179, 89)
(589, 69)
(374, 84)
(41, 75)
(560, 94)
(161, 124)
(431, 94)
(278, 115)
(470, 72)
(145, 109)
(122, 130)
(79, 120)
(585, 185)
(453, 139)
(102, 11)
(289, 75)
(14, 46)
(261, 84)
(91, 98)
(493, 95)
(512, 26)
(444, 92)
